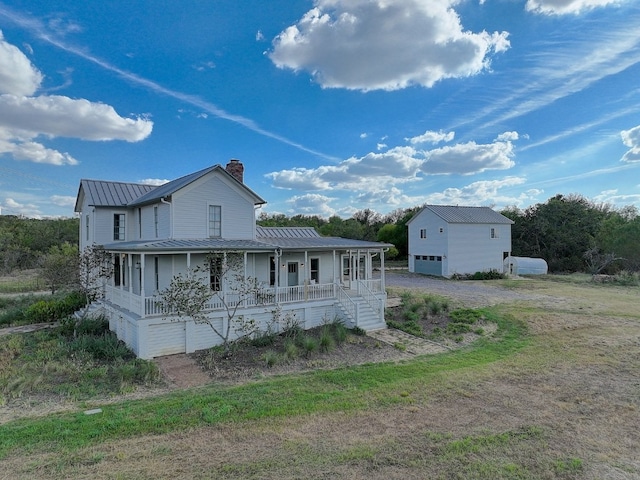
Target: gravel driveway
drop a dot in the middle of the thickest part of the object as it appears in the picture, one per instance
(470, 293)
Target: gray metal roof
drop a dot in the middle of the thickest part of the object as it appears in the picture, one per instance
(100, 193)
(456, 214)
(204, 244)
(173, 186)
(260, 244)
(287, 232)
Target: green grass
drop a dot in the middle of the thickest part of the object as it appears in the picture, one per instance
(56, 363)
(348, 389)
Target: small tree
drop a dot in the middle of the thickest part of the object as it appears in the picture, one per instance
(94, 268)
(597, 261)
(59, 267)
(220, 280)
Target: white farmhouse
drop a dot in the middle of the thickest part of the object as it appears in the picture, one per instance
(155, 233)
(448, 240)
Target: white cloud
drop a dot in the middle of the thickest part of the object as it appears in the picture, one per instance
(564, 7)
(153, 181)
(432, 137)
(17, 75)
(485, 192)
(631, 139)
(13, 207)
(66, 117)
(378, 44)
(25, 116)
(469, 158)
(508, 137)
(311, 204)
(63, 200)
(378, 171)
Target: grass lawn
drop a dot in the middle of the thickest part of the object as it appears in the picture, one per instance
(553, 395)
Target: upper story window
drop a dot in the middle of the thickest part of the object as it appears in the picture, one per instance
(118, 226)
(155, 220)
(423, 233)
(494, 232)
(139, 223)
(86, 226)
(441, 229)
(215, 221)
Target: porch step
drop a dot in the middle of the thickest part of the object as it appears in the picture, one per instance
(368, 320)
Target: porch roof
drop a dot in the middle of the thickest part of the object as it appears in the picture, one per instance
(261, 244)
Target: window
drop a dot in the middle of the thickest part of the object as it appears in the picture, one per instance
(215, 221)
(215, 274)
(139, 223)
(314, 270)
(86, 223)
(118, 226)
(423, 233)
(156, 272)
(441, 230)
(272, 271)
(155, 220)
(494, 232)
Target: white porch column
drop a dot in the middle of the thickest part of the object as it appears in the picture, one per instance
(382, 281)
(130, 273)
(188, 260)
(142, 289)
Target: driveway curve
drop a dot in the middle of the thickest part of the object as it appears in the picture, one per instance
(469, 292)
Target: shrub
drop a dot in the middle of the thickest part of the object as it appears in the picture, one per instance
(456, 328)
(308, 345)
(270, 358)
(13, 316)
(326, 341)
(291, 351)
(102, 347)
(340, 332)
(465, 315)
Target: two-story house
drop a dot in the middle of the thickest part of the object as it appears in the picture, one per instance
(447, 240)
(153, 234)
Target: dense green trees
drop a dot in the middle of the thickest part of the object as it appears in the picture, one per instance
(24, 241)
(570, 232)
(566, 228)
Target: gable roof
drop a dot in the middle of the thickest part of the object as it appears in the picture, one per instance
(173, 186)
(101, 193)
(286, 232)
(457, 214)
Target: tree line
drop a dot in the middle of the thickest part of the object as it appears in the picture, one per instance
(25, 241)
(571, 232)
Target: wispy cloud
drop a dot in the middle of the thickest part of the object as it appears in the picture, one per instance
(37, 28)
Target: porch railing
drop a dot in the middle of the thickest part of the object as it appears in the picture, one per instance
(374, 301)
(151, 306)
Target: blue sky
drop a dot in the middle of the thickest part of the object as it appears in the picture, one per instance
(333, 106)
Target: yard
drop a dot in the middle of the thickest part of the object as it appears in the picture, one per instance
(554, 393)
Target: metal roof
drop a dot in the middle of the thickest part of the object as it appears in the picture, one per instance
(456, 214)
(100, 193)
(260, 244)
(173, 186)
(204, 244)
(287, 232)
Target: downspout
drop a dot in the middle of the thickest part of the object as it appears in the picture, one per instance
(162, 200)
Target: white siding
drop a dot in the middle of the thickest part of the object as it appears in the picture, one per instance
(165, 338)
(190, 209)
(471, 248)
(436, 242)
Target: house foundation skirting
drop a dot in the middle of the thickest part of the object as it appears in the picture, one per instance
(151, 337)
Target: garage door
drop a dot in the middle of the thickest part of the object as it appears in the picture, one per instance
(167, 339)
(428, 265)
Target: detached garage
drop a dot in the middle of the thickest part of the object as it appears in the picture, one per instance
(525, 266)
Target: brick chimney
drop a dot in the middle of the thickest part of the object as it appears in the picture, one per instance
(235, 168)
